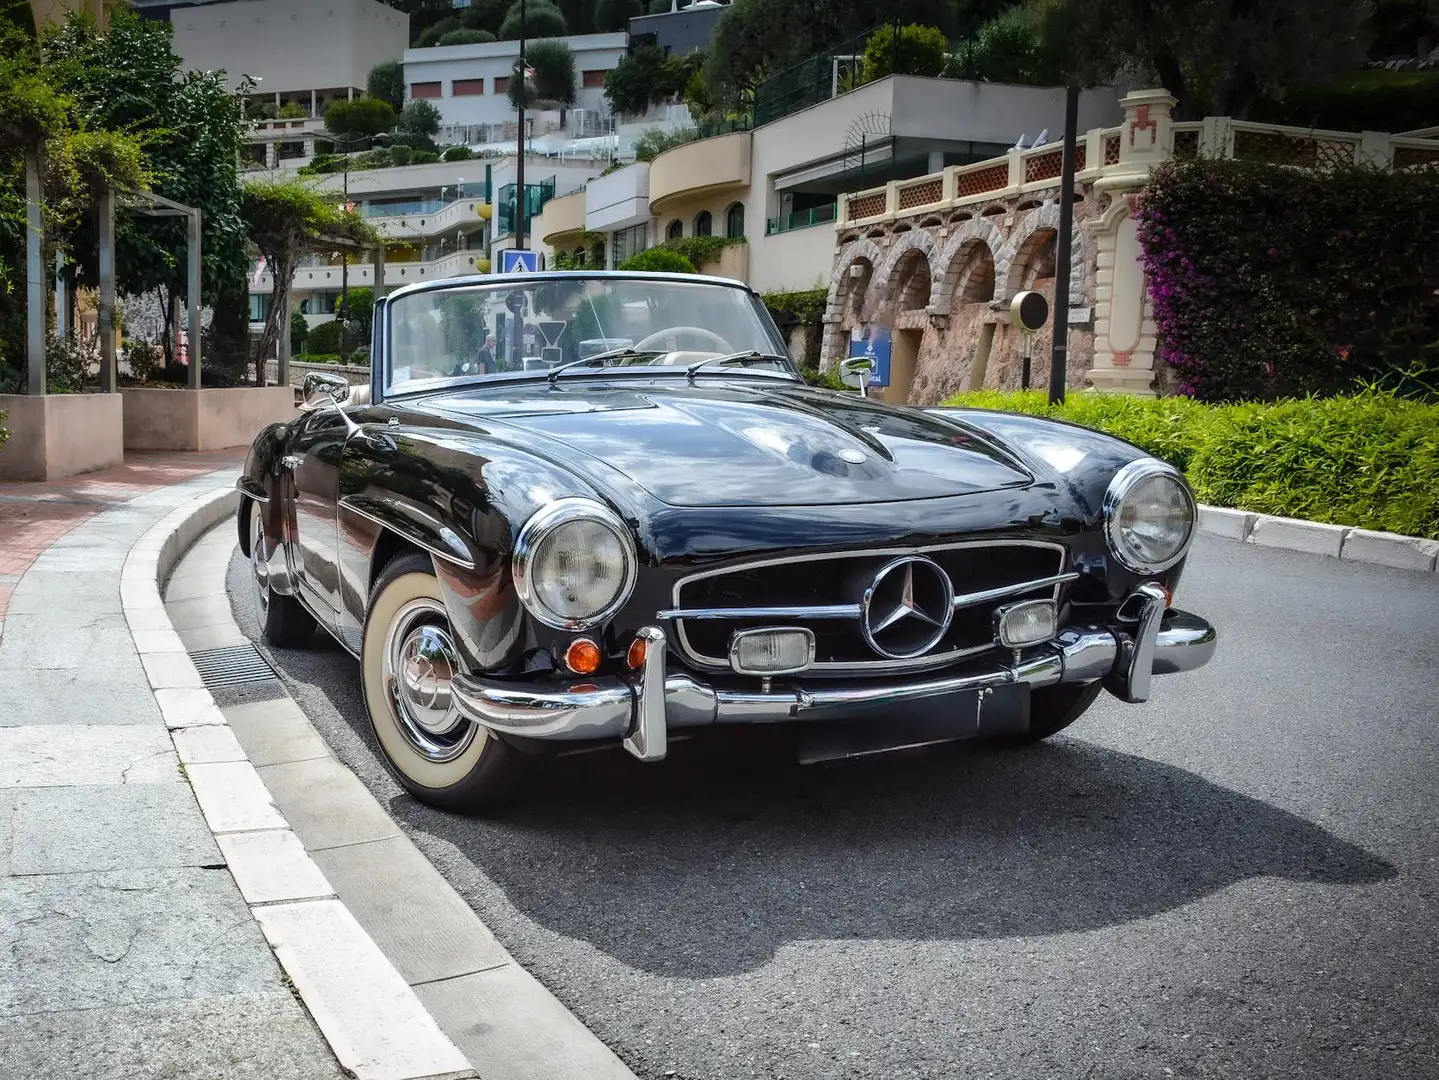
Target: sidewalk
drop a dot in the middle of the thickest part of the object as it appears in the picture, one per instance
(126, 949)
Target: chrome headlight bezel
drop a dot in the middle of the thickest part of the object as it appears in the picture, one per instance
(1120, 488)
(542, 525)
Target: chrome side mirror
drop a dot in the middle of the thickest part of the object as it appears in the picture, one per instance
(856, 372)
(321, 388)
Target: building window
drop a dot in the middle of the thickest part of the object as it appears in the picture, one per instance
(704, 223)
(502, 84)
(593, 80)
(675, 230)
(629, 242)
(467, 87)
(287, 150)
(424, 90)
(734, 221)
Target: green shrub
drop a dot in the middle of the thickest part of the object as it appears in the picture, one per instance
(325, 338)
(292, 111)
(145, 359)
(318, 358)
(457, 153)
(1368, 460)
(826, 380)
(542, 20)
(1369, 100)
(920, 50)
(661, 260)
(702, 249)
(789, 308)
(1013, 47)
(4, 431)
(424, 157)
(653, 142)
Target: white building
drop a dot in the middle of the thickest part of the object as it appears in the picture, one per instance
(773, 190)
(469, 84)
(305, 54)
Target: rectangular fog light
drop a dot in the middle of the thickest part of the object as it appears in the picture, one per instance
(1025, 623)
(780, 650)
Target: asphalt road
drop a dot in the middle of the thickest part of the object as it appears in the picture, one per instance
(1239, 879)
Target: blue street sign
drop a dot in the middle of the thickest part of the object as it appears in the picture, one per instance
(519, 261)
(874, 343)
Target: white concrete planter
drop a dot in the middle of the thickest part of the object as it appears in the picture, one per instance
(157, 419)
(53, 436)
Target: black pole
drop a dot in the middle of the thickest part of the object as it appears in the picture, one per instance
(520, 161)
(1059, 359)
(345, 281)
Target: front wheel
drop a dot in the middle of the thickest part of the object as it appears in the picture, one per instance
(407, 660)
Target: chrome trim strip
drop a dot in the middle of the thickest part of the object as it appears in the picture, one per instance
(830, 611)
(464, 562)
(848, 611)
(971, 599)
(584, 711)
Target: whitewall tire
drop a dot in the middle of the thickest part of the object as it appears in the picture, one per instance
(406, 660)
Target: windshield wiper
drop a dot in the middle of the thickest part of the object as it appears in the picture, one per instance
(747, 356)
(584, 361)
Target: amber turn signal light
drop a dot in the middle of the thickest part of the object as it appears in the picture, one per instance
(583, 656)
(635, 654)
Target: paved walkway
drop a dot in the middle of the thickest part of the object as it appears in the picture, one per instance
(126, 950)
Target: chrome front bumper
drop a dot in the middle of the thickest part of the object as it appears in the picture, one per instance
(641, 711)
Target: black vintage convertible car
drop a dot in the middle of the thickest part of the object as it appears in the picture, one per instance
(631, 518)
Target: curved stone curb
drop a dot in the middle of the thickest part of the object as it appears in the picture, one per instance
(1317, 538)
(375, 1024)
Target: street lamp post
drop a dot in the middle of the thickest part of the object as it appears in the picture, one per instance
(520, 160)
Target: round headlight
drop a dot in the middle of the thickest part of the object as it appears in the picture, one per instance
(574, 564)
(1148, 516)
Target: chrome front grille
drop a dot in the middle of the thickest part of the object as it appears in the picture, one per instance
(824, 593)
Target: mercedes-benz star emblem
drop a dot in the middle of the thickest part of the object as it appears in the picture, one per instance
(907, 608)
(854, 457)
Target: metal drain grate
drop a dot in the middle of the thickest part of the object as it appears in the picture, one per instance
(234, 665)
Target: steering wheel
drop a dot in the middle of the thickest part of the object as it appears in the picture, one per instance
(654, 341)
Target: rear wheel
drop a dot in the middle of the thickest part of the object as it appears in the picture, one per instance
(284, 622)
(1054, 708)
(406, 661)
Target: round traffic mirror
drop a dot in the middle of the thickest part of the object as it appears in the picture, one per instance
(1029, 311)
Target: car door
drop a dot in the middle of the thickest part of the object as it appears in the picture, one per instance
(316, 447)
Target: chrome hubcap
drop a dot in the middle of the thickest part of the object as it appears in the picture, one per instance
(259, 560)
(420, 659)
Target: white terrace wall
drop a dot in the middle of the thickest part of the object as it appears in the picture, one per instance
(938, 258)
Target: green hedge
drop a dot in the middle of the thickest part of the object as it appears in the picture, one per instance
(1370, 460)
(659, 260)
(1371, 100)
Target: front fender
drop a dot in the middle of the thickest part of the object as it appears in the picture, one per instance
(259, 483)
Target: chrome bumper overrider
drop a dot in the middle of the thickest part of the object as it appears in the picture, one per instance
(641, 711)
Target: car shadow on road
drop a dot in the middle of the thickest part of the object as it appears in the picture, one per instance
(705, 865)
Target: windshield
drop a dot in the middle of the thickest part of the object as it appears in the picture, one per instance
(468, 332)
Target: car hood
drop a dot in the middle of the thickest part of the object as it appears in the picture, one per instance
(742, 443)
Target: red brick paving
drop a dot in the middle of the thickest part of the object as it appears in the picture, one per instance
(34, 515)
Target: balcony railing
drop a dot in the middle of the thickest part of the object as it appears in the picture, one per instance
(536, 196)
(815, 79)
(801, 219)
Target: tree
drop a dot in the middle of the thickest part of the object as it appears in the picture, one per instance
(754, 39)
(465, 37)
(553, 86)
(579, 15)
(129, 78)
(362, 117)
(627, 84)
(285, 219)
(542, 20)
(1215, 58)
(615, 15)
(920, 50)
(386, 82)
(420, 118)
(432, 34)
(359, 312)
(1013, 48)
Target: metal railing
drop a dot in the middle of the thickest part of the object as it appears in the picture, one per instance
(536, 196)
(801, 219)
(817, 78)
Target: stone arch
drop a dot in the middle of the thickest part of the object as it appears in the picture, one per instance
(916, 239)
(846, 293)
(1045, 222)
(910, 282)
(960, 248)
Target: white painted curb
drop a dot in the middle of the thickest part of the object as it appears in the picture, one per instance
(375, 1024)
(1317, 538)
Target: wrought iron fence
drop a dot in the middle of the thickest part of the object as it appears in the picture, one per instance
(817, 78)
